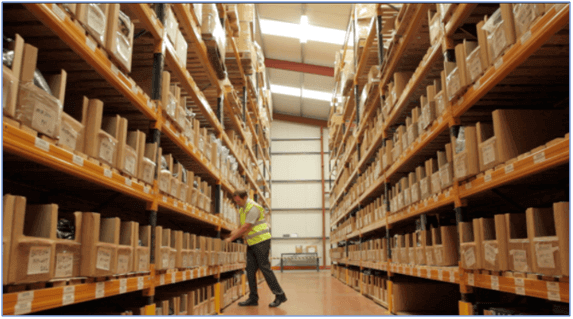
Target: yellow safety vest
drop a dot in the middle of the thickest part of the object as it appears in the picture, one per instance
(260, 231)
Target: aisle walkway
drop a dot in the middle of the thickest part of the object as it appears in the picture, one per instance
(310, 293)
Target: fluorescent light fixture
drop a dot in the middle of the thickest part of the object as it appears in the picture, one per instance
(307, 94)
(303, 33)
(303, 28)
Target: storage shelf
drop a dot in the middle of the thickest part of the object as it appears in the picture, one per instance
(76, 39)
(429, 204)
(149, 19)
(190, 274)
(446, 274)
(48, 298)
(22, 143)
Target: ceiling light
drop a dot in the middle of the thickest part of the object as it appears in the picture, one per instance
(307, 94)
(303, 28)
(280, 89)
(292, 30)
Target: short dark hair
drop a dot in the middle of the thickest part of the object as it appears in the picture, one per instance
(241, 193)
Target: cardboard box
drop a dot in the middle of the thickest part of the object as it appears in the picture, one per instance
(470, 241)
(162, 248)
(445, 245)
(141, 256)
(494, 243)
(71, 134)
(547, 230)
(518, 245)
(119, 37)
(94, 17)
(445, 162)
(466, 163)
(125, 248)
(100, 239)
(500, 30)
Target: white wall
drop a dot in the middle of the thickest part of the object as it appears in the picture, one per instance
(306, 221)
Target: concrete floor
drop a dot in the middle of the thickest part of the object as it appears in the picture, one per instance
(309, 293)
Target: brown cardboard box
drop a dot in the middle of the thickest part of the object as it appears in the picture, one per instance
(125, 248)
(68, 252)
(518, 245)
(141, 256)
(10, 90)
(500, 31)
(493, 243)
(119, 37)
(71, 134)
(445, 245)
(470, 240)
(7, 221)
(32, 251)
(94, 17)
(466, 163)
(100, 238)
(162, 248)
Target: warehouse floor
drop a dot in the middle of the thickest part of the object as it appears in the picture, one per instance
(310, 293)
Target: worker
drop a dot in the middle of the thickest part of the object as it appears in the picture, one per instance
(258, 237)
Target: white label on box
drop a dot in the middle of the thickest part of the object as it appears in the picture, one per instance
(106, 150)
(148, 174)
(123, 285)
(173, 277)
(440, 274)
(41, 144)
(498, 63)
(128, 181)
(44, 119)
(495, 282)
(487, 178)
(146, 189)
(64, 265)
(539, 157)
(519, 259)
(490, 253)
(26, 296)
(91, 44)
(69, 295)
(143, 262)
(39, 260)
(100, 290)
(553, 295)
(103, 259)
(78, 160)
(525, 37)
(471, 280)
(470, 256)
(509, 168)
(520, 291)
(162, 280)
(122, 263)
(519, 282)
(544, 254)
(58, 12)
(488, 153)
(140, 283)
(129, 164)
(184, 276)
(552, 286)
(23, 307)
(165, 260)
(107, 173)
(165, 199)
(452, 276)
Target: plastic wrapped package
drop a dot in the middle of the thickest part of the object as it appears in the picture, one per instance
(473, 62)
(71, 133)
(374, 74)
(171, 107)
(188, 131)
(524, 14)
(148, 167)
(165, 181)
(39, 110)
(171, 26)
(496, 37)
(180, 118)
(96, 20)
(130, 160)
(41, 82)
(211, 28)
(65, 229)
(365, 10)
(10, 92)
(453, 83)
(107, 145)
(164, 164)
(174, 188)
(460, 140)
(440, 103)
(122, 45)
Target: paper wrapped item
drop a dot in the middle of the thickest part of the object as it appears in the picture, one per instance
(71, 133)
(39, 110)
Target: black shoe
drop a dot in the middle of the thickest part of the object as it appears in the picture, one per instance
(278, 300)
(249, 302)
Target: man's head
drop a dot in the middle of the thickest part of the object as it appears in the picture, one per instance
(240, 197)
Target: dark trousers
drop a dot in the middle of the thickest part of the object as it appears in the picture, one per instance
(258, 258)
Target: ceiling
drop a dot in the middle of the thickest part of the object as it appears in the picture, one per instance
(312, 53)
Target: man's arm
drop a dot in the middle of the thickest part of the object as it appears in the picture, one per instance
(239, 232)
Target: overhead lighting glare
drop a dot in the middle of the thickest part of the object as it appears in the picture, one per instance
(303, 33)
(303, 28)
(307, 94)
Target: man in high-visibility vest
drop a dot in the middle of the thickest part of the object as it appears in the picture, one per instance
(259, 244)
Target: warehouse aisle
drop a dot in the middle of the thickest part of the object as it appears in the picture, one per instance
(310, 293)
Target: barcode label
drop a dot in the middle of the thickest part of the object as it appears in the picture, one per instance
(440, 274)
(468, 185)
(552, 286)
(146, 189)
(519, 282)
(123, 285)
(508, 168)
(165, 199)
(539, 157)
(520, 291)
(184, 276)
(162, 280)
(91, 44)
(139, 283)
(69, 295)
(173, 277)
(471, 280)
(100, 290)
(23, 307)
(26, 296)
(107, 173)
(553, 295)
(78, 160)
(487, 178)
(41, 144)
(495, 282)
(128, 181)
